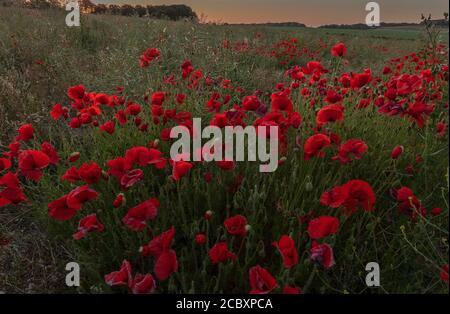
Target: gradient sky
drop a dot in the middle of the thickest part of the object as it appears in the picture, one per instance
(309, 12)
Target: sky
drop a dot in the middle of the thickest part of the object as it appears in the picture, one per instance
(309, 12)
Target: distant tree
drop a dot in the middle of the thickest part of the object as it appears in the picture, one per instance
(114, 9)
(86, 6)
(6, 3)
(171, 12)
(127, 10)
(100, 9)
(140, 10)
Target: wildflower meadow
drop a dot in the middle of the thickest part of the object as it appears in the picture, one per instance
(361, 171)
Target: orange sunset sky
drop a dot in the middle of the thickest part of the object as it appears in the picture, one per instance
(310, 12)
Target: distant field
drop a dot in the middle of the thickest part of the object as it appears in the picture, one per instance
(102, 53)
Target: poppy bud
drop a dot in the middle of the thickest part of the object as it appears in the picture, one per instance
(74, 156)
(397, 151)
(200, 239)
(137, 121)
(156, 143)
(105, 175)
(208, 214)
(436, 211)
(119, 201)
(419, 159)
(309, 186)
(248, 228)
(262, 253)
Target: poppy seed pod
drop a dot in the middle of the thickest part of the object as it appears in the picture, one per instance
(208, 214)
(309, 186)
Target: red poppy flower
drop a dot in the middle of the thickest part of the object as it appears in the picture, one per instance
(251, 103)
(338, 50)
(75, 123)
(151, 54)
(137, 217)
(236, 225)
(281, 101)
(90, 172)
(118, 167)
(59, 111)
(76, 92)
(130, 178)
(352, 149)
(330, 113)
(5, 164)
(359, 194)
(121, 277)
(418, 111)
(288, 250)
(133, 109)
(334, 197)
(261, 281)
(80, 195)
(315, 144)
(108, 127)
(322, 227)
(121, 117)
(14, 150)
(60, 210)
(322, 254)
(158, 98)
(51, 152)
(219, 253)
(409, 203)
(351, 195)
(26, 132)
(166, 264)
(143, 156)
(142, 284)
(180, 169)
(86, 225)
(159, 244)
(12, 192)
(333, 97)
(180, 98)
(31, 164)
(359, 80)
(71, 175)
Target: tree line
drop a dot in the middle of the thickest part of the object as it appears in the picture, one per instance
(170, 12)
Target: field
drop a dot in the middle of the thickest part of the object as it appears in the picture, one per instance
(363, 173)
